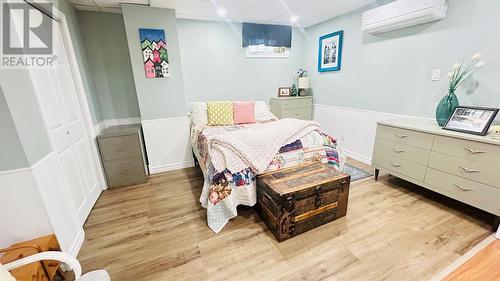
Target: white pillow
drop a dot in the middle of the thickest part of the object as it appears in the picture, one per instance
(199, 113)
(262, 112)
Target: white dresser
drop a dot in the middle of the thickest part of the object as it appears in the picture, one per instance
(292, 107)
(461, 166)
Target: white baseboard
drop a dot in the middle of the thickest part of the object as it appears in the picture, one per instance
(77, 244)
(358, 157)
(357, 127)
(170, 167)
(106, 123)
(168, 144)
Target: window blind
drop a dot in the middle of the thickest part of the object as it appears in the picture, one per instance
(267, 34)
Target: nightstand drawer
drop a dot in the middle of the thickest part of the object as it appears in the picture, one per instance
(299, 113)
(114, 148)
(407, 137)
(125, 172)
(295, 103)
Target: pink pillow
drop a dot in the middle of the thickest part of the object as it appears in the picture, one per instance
(244, 112)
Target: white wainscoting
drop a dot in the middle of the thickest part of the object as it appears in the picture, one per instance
(34, 203)
(23, 213)
(356, 126)
(168, 144)
(115, 122)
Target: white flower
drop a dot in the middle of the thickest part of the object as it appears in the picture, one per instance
(450, 75)
(477, 56)
(480, 64)
(456, 66)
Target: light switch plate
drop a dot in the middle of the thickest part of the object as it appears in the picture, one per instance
(436, 74)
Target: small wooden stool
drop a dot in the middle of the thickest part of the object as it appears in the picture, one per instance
(40, 271)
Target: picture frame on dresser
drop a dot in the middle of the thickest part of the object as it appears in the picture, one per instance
(471, 120)
(284, 91)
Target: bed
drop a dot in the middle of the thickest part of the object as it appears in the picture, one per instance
(227, 186)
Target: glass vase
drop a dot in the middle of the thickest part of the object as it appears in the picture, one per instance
(446, 107)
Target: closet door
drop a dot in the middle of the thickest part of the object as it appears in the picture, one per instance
(58, 100)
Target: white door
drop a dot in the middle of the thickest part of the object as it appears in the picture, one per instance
(57, 96)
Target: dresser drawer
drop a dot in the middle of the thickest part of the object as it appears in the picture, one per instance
(407, 137)
(125, 172)
(299, 113)
(476, 151)
(401, 166)
(384, 148)
(295, 103)
(479, 195)
(114, 148)
(472, 170)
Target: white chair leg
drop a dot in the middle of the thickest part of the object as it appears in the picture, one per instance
(498, 233)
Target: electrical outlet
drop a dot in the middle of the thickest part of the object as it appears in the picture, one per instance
(436, 74)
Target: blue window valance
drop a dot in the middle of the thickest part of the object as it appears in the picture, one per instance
(267, 34)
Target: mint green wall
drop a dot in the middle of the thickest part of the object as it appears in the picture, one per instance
(25, 113)
(391, 72)
(81, 56)
(158, 97)
(215, 66)
(11, 150)
(109, 64)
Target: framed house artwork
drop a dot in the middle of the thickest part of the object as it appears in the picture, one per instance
(154, 52)
(330, 51)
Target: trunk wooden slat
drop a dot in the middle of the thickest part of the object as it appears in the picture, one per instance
(295, 200)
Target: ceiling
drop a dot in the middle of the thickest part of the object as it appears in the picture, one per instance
(306, 12)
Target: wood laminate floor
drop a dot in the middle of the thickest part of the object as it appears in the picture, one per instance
(484, 266)
(393, 230)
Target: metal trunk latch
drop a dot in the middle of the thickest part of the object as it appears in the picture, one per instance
(317, 200)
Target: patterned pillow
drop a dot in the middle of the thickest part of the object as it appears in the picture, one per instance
(220, 113)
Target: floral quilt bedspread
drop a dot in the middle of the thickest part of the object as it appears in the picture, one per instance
(224, 191)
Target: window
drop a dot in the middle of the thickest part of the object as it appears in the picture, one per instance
(266, 40)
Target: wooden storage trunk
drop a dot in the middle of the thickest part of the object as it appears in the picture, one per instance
(295, 200)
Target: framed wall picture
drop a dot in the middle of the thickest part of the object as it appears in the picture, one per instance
(330, 51)
(154, 52)
(471, 120)
(284, 91)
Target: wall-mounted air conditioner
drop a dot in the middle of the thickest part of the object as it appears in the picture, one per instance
(403, 13)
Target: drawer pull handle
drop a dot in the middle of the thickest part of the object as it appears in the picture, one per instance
(126, 172)
(474, 151)
(398, 150)
(401, 136)
(395, 164)
(463, 188)
(469, 170)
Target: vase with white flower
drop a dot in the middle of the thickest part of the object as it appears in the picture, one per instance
(457, 76)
